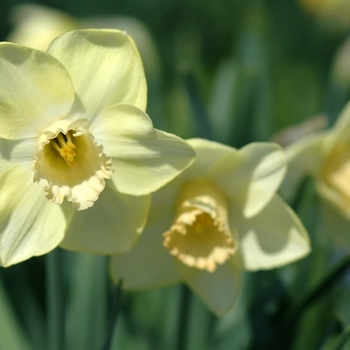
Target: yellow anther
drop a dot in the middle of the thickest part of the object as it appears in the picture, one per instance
(65, 147)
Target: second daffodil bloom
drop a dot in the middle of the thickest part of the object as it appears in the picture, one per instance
(334, 14)
(220, 216)
(326, 157)
(73, 129)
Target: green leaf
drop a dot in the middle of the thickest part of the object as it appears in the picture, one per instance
(12, 336)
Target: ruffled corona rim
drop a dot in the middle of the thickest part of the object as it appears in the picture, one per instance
(71, 165)
(200, 236)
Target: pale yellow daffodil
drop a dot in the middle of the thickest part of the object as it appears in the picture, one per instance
(36, 26)
(73, 126)
(220, 216)
(325, 156)
(334, 14)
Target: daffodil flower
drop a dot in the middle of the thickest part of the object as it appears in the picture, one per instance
(220, 216)
(36, 26)
(73, 129)
(325, 156)
(333, 14)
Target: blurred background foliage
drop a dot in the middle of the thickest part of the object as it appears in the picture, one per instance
(234, 71)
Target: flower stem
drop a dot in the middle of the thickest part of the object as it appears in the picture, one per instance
(183, 327)
(116, 306)
(343, 339)
(287, 325)
(201, 120)
(55, 300)
(329, 282)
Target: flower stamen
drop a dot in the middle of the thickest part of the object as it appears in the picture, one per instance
(65, 147)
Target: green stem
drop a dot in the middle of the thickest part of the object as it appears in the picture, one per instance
(343, 339)
(201, 119)
(183, 327)
(114, 316)
(285, 330)
(300, 193)
(323, 288)
(55, 300)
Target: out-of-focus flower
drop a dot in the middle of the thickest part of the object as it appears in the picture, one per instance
(341, 65)
(36, 26)
(335, 14)
(326, 157)
(296, 132)
(70, 119)
(220, 216)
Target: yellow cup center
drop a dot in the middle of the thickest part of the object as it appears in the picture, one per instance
(200, 236)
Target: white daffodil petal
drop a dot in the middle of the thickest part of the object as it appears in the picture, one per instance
(304, 158)
(144, 159)
(112, 226)
(149, 264)
(341, 129)
(35, 90)
(251, 176)
(208, 152)
(118, 121)
(336, 198)
(218, 290)
(15, 152)
(273, 238)
(105, 67)
(29, 224)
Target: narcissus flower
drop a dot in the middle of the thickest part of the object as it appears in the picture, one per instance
(334, 14)
(326, 157)
(220, 216)
(36, 26)
(73, 128)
